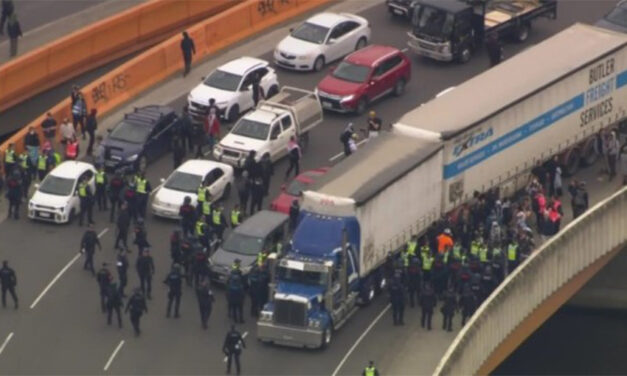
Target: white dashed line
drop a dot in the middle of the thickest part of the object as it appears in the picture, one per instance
(115, 352)
(6, 342)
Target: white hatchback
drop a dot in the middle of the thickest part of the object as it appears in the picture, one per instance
(185, 181)
(230, 85)
(56, 198)
(321, 39)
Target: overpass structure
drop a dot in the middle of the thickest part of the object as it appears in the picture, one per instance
(538, 287)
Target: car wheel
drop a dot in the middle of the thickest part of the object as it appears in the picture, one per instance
(465, 55)
(226, 193)
(522, 33)
(573, 161)
(318, 64)
(142, 164)
(399, 88)
(361, 43)
(274, 90)
(233, 114)
(362, 105)
(326, 338)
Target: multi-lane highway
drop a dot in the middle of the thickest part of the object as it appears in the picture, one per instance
(59, 327)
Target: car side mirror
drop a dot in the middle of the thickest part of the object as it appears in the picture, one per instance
(332, 41)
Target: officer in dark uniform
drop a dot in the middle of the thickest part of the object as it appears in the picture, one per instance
(176, 256)
(8, 281)
(200, 266)
(468, 302)
(205, 302)
(487, 282)
(495, 49)
(104, 279)
(101, 187)
(141, 237)
(448, 310)
(114, 303)
(123, 223)
(235, 294)
(264, 288)
(413, 280)
(187, 252)
(137, 306)
(174, 280)
(439, 275)
(145, 270)
(397, 299)
(232, 348)
(14, 194)
(121, 263)
(86, 198)
(116, 185)
(475, 284)
(88, 246)
(256, 195)
(254, 290)
(129, 197)
(427, 303)
(187, 212)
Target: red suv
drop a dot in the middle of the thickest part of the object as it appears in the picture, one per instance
(364, 76)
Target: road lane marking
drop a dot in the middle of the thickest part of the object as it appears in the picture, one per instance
(336, 156)
(363, 335)
(115, 352)
(65, 268)
(243, 336)
(6, 342)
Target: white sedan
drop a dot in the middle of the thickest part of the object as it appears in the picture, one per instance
(185, 181)
(230, 85)
(56, 198)
(322, 39)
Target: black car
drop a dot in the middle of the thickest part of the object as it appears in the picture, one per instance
(616, 19)
(402, 8)
(141, 137)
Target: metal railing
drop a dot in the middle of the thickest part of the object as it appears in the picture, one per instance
(585, 240)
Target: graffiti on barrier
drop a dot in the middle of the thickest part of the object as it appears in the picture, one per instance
(267, 6)
(105, 89)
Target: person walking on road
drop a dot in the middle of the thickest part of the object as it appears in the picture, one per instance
(267, 170)
(101, 187)
(88, 247)
(243, 190)
(294, 155)
(114, 190)
(114, 303)
(428, 301)
(448, 310)
(187, 212)
(123, 223)
(145, 270)
(174, 280)
(8, 282)
(14, 194)
(189, 49)
(122, 266)
(495, 49)
(205, 302)
(79, 112)
(137, 307)
(256, 193)
(104, 279)
(142, 193)
(232, 348)
(370, 370)
(15, 31)
(86, 198)
(397, 300)
(49, 127)
(8, 8)
(91, 125)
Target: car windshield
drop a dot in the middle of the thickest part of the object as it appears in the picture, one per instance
(243, 244)
(223, 80)
(311, 33)
(618, 16)
(252, 129)
(302, 277)
(432, 21)
(184, 182)
(351, 72)
(129, 132)
(55, 185)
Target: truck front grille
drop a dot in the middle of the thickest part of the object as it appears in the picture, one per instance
(288, 312)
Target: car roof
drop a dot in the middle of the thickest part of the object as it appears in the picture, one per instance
(261, 223)
(200, 166)
(148, 115)
(452, 6)
(71, 169)
(371, 55)
(327, 19)
(261, 115)
(242, 65)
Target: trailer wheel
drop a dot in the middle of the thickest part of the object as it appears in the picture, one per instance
(571, 165)
(522, 33)
(589, 155)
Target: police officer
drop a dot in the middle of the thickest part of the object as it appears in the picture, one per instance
(202, 231)
(498, 262)
(256, 194)
(427, 263)
(200, 265)
(187, 212)
(101, 188)
(174, 280)
(104, 279)
(235, 294)
(42, 166)
(427, 303)
(201, 198)
(176, 255)
(142, 190)
(8, 281)
(468, 302)
(448, 310)
(218, 222)
(254, 290)
(413, 280)
(236, 216)
(145, 270)
(115, 188)
(370, 370)
(9, 159)
(187, 253)
(397, 299)
(14, 194)
(141, 238)
(85, 196)
(487, 282)
(264, 289)
(130, 199)
(123, 223)
(88, 246)
(24, 166)
(114, 303)
(137, 306)
(232, 348)
(205, 302)
(512, 256)
(122, 267)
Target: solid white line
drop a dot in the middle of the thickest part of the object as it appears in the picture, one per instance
(372, 324)
(55, 279)
(336, 156)
(115, 352)
(243, 336)
(103, 232)
(6, 341)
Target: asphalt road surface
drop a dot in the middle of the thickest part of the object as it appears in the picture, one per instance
(65, 333)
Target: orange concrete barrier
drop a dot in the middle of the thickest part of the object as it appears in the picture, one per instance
(100, 43)
(161, 61)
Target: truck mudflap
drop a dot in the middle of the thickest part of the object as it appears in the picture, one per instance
(289, 336)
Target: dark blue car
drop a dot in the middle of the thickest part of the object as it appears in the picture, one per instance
(141, 137)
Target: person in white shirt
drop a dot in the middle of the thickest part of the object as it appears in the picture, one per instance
(67, 131)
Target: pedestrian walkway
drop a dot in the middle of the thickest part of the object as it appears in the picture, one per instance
(61, 27)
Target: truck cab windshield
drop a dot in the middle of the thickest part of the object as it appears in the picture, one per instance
(301, 277)
(432, 21)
